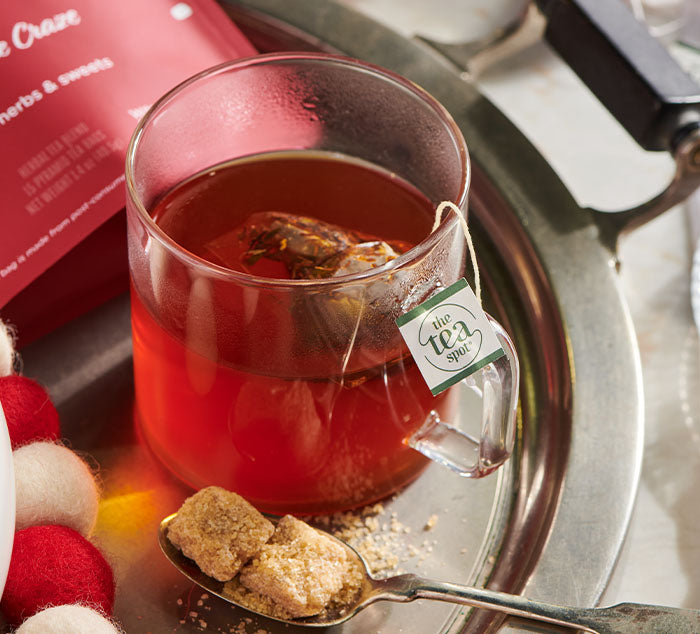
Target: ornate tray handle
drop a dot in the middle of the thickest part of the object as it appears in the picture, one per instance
(685, 181)
(630, 72)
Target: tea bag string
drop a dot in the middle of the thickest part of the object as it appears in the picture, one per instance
(445, 204)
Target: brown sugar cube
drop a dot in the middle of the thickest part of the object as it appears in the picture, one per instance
(253, 600)
(220, 531)
(300, 569)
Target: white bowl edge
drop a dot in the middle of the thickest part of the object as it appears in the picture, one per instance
(7, 500)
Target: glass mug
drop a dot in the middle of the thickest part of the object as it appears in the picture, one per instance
(299, 394)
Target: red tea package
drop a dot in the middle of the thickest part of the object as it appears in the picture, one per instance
(75, 80)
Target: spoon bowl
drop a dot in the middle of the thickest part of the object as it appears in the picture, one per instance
(187, 567)
(625, 618)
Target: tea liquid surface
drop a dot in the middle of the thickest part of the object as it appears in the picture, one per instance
(235, 386)
(350, 194)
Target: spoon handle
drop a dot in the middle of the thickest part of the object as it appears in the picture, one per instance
(620, 619)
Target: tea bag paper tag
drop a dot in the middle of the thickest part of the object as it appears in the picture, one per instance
(449, 336)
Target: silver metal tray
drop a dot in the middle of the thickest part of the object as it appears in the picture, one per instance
(551, 524)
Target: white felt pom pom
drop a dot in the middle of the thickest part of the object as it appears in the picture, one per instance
(7, 351)
(54, 486)
(67, 619)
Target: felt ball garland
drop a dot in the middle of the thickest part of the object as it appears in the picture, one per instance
(67, 619)
(54, 486)
(29, 411)
(57, 582)
(55, 565)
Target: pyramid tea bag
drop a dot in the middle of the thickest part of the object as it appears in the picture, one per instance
(308, 248)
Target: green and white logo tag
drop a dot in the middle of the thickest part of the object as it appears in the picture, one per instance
(449, 336)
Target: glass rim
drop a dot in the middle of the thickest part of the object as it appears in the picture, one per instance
(448, 222)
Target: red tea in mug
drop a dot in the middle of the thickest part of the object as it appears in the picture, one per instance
(298, 401)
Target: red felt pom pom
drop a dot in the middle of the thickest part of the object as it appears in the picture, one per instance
(55, 565)
(29, 412)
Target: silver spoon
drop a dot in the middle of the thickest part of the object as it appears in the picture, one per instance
(625, 618)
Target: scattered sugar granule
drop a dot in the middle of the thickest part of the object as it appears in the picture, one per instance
(220, 531)
(300, 569)
(380, 537)
(240, 628)
(430, 524)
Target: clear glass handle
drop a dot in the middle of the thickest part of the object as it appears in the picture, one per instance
(481, 437)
